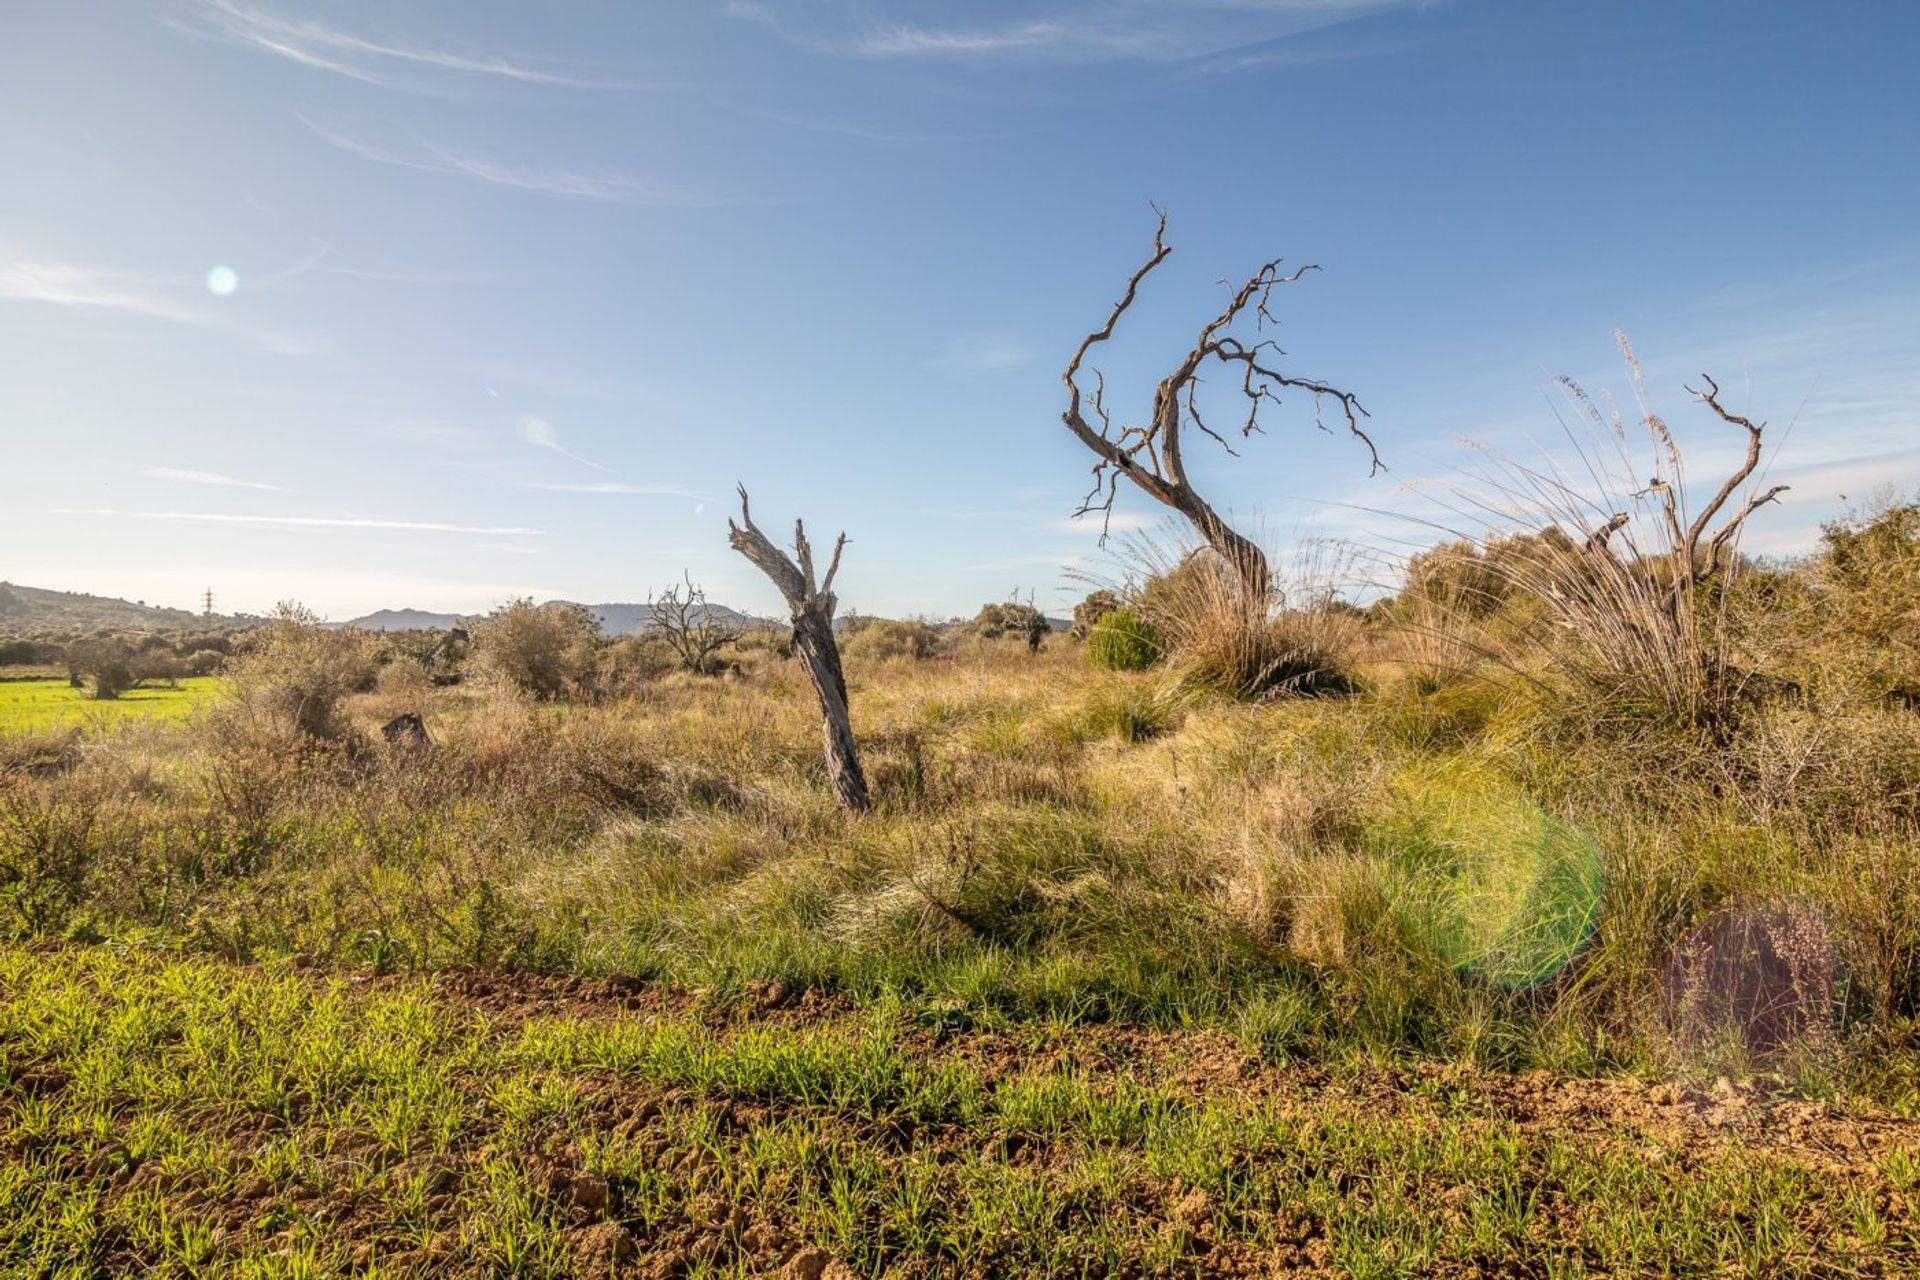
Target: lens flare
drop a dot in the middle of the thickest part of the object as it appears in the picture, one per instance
(1511, 892)
(222, 281)
(1762, 977)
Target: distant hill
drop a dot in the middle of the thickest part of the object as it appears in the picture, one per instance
(631, 619)
(404, 620)
(615, 619)
(36, 609)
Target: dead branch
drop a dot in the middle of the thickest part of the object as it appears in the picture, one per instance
(681, 616)
(1150, 455)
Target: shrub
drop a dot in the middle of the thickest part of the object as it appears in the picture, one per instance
(298, 671)
(881, 639)
(1008, 618)
(546, 651)
(1868, 576)
(1124, 641)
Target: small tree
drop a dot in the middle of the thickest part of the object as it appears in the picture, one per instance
(682, 617)
(810, 605)
(1088, 612)
(544, 650)
(103, 664)
(1011, 617)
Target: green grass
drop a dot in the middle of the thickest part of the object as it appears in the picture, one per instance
(35, 706)
(183, 1117)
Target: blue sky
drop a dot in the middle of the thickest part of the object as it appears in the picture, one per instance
(436, 304)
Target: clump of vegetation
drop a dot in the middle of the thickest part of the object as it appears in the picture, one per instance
(1294, 640)
(1866, 580)
(1122, 640)
(545, 651)
(1087, 614)
(297, 673)
(887, 639)
(104, 664)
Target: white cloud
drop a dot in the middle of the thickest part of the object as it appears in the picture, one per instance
(187, 475)
(900, 40)
(66, 284)
(1082, 31)
(304, 522)
(312, 43)
(154, 297)
(567, 184)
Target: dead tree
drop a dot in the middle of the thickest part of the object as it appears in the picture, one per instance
(1150, 455)
(1693, 566)
(811, 608)
(680, 615)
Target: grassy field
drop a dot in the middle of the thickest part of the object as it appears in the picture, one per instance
(181, 1117)
(1583, 960)
(40, 705)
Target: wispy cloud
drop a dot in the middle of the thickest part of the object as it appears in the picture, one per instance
(67, 284)
(187, 475)
(568, 184)
(611, 487)
(982, 353)
(902, 41)
(541, 434)
(1077, 30)
(84, 287)
(312, 43)
(305, 522)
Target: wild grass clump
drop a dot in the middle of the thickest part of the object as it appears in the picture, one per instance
(1298, 643)
(1866, 594)
(1612, 589)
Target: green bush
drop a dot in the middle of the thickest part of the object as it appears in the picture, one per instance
(1124, 641)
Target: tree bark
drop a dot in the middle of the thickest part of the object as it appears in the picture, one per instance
(810, 607)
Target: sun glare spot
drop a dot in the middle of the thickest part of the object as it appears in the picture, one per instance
(222, 281)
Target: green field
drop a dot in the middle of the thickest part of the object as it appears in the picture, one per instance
(173, 1116)
(37, 705)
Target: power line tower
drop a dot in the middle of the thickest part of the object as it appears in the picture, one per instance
(209, 600)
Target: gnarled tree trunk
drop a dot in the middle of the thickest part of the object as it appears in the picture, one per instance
(811, 608)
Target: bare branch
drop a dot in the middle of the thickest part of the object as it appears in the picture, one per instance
(1150, 455)
(1711, 397)
(1597, 540)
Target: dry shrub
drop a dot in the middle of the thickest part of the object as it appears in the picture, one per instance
(1867, 579)
(547, 651)
(1609, 584)
(889, 640)
(296, 673)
